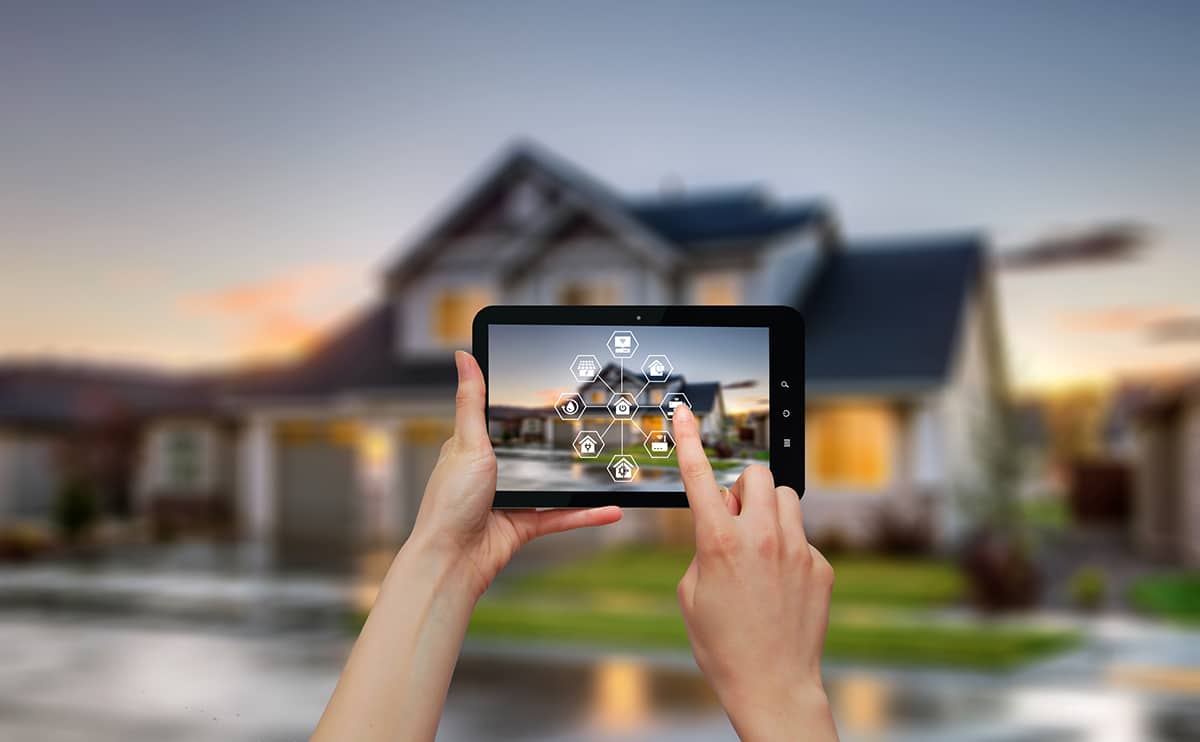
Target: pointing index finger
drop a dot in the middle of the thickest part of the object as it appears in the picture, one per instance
(704, 496)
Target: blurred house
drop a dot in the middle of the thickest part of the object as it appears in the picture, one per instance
(1166, 442)
(704, 399)
(139, 438)
(902, 341)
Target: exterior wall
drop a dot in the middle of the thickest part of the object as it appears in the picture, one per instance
(853, 513)
(415, 305)
(1189, 462)
(948, 454)
(214, 474)
(589, 260)
(1158, 489)
(29, 475)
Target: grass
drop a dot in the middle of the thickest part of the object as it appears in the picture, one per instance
(1173, 598)
(861, 580)
(882, 612)
(905, 642)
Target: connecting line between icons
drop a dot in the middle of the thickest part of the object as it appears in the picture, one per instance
(605, 383)
(639, 427)
(605, 433)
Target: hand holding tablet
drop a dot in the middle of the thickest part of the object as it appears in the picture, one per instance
(580, 399)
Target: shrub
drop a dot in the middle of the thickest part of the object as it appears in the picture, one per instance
(21, 542)
(75, 509)
(1088, 589)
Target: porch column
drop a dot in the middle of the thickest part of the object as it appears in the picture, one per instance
(256, 486)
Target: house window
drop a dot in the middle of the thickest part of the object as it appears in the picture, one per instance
(183, 459)
(597, 396)
(582, 293)
(453, 311)
(656, 396)
(850, 445)
(718, 289)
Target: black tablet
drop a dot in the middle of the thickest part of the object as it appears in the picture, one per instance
(580, 399)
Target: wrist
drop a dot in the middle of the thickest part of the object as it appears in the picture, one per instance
(443, 566)
(797, 712)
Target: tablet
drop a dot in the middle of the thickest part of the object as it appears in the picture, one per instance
(580, 399)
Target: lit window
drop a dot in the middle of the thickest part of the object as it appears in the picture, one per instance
(454, 311)
(183, 459)
(656, 396)
(579, 293)
(718, 289)
(850, 445)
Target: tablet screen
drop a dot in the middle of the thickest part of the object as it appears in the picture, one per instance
(588, 407)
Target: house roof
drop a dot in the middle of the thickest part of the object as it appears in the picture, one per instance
(886, 316)
(723, 218)
(359, 357)
(54, 394)
(666, 228)
(703, 396)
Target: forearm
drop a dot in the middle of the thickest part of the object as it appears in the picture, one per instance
(801, 714)
(395, 682)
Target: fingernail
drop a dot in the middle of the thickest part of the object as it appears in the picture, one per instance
(460, 362)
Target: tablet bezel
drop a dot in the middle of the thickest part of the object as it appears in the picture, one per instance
(786, 340)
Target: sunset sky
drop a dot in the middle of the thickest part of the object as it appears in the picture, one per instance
(199, 183)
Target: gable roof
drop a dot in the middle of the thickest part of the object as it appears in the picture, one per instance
(48, 394)
(358, 357)
(886, 315)
(715, 218)
(666, 228)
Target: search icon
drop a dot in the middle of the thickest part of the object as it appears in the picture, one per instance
(784, 384)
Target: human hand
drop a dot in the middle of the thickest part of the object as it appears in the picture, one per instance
(755, 599)
(456, 517)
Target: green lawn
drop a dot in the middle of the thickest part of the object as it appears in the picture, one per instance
(626, 597)
(1169, 597)
(910, 583)
(881, 640)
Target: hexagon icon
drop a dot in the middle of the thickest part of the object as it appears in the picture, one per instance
(569, 406)
(585, 368)
(622, 344)
(588, 444)
(622, 406)
(657, 368)
(622, 468)
(671, 401)
(659, 444)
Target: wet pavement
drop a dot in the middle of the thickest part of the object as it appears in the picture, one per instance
(525, 471)
(83, 677)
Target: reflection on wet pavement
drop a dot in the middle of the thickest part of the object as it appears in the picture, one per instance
(83, 678)
(561, 474)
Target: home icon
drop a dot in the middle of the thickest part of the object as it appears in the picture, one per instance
(623, 471)
(657, 368)
(622, 407)
(587, 447)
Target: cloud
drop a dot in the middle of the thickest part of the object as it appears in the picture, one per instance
(1182, 329)
(1106, 243)
(1131, 318)
(281, 314)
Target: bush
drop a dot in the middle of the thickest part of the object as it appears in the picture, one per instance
(1001, 572)
(831, 541)
(1089, 588)
(899, 533)
(21, 542)
(76, 509)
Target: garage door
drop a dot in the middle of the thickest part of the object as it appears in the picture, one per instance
(317, 498)
(419, 444)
